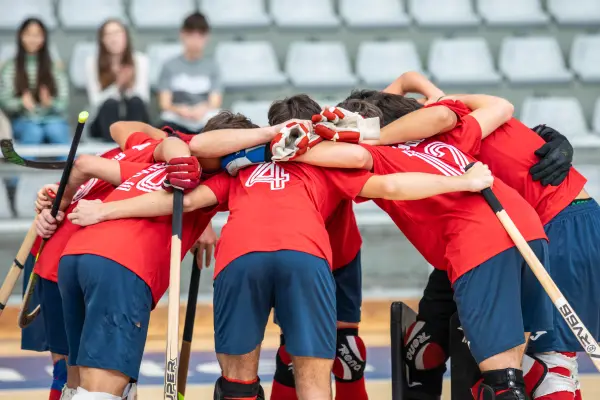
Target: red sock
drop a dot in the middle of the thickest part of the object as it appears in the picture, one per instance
(356, 390)
(282, 392)
(54, 394)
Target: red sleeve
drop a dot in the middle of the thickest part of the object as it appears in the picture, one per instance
(219, 184)
(128, 168)
(466, 135)
(349, 182)
(136, 139)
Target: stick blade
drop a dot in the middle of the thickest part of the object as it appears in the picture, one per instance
(11, 156)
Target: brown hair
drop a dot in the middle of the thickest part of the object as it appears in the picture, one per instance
(44, 64)
(195, 22)
(105, 73)
(362, 107)
(300, 106)
(393, 106)
(228, 120)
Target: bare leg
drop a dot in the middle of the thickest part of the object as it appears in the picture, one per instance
(103, 380)
(313, 378)
(509, 359)
(240, 367)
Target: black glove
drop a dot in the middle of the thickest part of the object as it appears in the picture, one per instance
(556, 157)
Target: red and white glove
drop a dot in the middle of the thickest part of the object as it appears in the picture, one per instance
(183, 173)
(293, 140)
(337, 124)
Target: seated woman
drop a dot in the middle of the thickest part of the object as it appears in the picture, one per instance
(34, 90)
(118, 84)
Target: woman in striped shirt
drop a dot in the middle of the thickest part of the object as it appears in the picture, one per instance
(33, 90)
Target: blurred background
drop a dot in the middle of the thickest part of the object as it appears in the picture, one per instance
(161, 62)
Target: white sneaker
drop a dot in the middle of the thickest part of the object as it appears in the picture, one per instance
(130, 392)
(67, 393)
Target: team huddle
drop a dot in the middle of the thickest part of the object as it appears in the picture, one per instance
(291, 243)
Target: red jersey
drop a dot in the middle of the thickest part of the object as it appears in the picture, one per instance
(281, 207)
(139, 148)
(344, 235)
(509, 152)
(141, 245)
(457, 231)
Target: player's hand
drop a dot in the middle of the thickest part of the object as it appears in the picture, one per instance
(556, 157)
(45, 197)
(204, 246)
(478, 177)
(337, 124)
(306, 122)
(46, 224)
(293, 140)
(87, 212)
(183, 173)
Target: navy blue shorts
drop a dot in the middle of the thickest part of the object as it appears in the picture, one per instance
(575, 258)
(107, 311)
(298, 285)
(348, 291)
(34, 336)
(54, 324)
(500, 300)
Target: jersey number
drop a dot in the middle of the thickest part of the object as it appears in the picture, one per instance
(434, 153)
(269, 173)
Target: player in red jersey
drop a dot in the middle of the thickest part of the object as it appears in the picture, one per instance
(288, 262)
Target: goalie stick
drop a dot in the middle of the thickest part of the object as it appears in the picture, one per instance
(11, 156)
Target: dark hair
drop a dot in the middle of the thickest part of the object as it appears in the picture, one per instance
(44, 63)
(300, 106)
(362, 107)
(228, 120)
(393, 106)
(362, 94)
(106, 75)
(195, 22)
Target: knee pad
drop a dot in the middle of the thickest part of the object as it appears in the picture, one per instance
(500, 384)
(422, 348)
(284, 370)
(351, 356)
(230, 390)
(551, 375)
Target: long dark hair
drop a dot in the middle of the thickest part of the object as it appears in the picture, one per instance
(105, 72)
(44, 62)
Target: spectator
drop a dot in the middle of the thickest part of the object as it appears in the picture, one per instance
(189, 87)
(118, 83)
(34, 91)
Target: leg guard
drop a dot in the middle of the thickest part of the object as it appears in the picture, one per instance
(501, 384)
(464, 369)
(284, 385)
(59, 379)
(226, 389)
(551, 376)
(349, 365)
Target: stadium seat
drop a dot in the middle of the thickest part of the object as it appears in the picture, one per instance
(158, 54)
(565, 114)
(255, 110)
(585, 57)
(235, 13)
(9, 51)
(77, 14)
(5, 210)
(27, 188)
(592, 174)
(14, 12)
(260, 68)
(436, 13)
(379, 63)
(512, 12)
(535, 59)
(310, 14)
(382, 14)
(81, 51)
(587, 12)
(319, 64)
(596, 118)
(462, 61)
(160, 14)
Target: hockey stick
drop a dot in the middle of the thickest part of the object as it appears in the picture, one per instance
(10, 155)
(26, 318)
(188, 329)
(17, 266)
(582, 334)
(172, 354)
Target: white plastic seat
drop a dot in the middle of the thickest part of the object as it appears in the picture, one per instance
(81, 52)
(319, 64)
(306, 14)
(592, 174)
(583, 12)
(462, 61)
(512, 12)
(379, 63)
(5, 210)
(535, 59)
(382, 14)
(236, 13)
(77, 14)
(160, 14)
(27, 188)
(436, 13)
(565, 114)
(585, 57)
(259, 63)
(14, 12)
(158, 54)
(255, 110)
(596, 117)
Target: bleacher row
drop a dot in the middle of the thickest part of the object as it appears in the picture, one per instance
(234, 14)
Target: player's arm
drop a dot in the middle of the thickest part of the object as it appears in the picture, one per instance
(414, 82)
(121, 130)
(171, 147)
(337, 155)
(221, 142)
(489, 111)
(420, 124)
(416, 185)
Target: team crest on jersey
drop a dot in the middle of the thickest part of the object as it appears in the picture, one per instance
(270, 173)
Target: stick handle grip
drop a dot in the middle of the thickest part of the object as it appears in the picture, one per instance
(489, 195)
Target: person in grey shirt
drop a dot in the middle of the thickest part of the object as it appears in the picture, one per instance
(188, 85)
